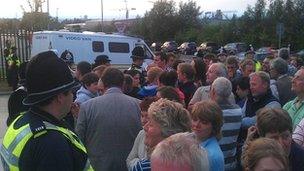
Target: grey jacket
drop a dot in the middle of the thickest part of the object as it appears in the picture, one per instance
(108, 126)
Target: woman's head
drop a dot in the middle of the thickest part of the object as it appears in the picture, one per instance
(207, 120)
(165, 118)
(200, 70)
(144, 106)
(265, 154)
(136, 77)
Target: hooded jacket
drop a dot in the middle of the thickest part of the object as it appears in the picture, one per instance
(84, 94)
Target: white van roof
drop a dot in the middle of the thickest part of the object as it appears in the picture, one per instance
(88, 33)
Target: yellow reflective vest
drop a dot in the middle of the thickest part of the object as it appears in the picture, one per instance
(13, 60)
(15, 140)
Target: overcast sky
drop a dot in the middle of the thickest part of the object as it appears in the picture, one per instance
(112, 8)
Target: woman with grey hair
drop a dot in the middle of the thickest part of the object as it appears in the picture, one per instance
(165, 118)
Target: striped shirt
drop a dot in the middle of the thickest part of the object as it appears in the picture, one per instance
(298, 134)
(230, 131)
(142, 165)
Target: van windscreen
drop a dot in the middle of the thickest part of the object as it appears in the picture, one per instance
(118, 47)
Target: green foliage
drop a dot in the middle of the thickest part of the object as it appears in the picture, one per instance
(257, 26)
(35, 21)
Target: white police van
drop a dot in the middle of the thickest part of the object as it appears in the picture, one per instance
(87, 45)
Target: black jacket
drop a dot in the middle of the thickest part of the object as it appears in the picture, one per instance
(255, 103)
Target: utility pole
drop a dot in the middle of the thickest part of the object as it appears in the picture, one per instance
(101, 1)
(48, 12)
(48, 6)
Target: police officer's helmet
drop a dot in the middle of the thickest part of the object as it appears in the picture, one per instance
(47, 75)
(138, 53)
(67, 57)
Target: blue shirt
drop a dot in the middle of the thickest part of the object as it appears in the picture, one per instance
(215, 154)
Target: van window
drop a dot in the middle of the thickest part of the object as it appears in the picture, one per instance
(148, 54)
(97, 46)
(119, 47)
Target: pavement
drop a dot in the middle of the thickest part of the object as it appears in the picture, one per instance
(3, 116)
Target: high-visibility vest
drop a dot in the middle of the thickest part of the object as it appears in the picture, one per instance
(258, 66)
(15, 140)
(11, 60)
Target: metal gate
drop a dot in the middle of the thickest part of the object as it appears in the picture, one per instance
(21, 39)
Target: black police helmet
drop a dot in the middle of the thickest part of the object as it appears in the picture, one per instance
(138, 52)
(46, 76)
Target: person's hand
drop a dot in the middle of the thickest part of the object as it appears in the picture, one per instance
(75, 109)
(252, 131)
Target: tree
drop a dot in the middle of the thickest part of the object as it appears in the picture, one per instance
(35, 21)
(188, 15)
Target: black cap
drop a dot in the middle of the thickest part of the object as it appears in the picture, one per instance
(101, 59)
(47, 75)
(138, 52)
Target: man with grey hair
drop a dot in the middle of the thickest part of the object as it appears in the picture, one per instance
(284, 54)
(203, 93)
(179, 152)
(261, 97)
(281, 88)
(220, 90)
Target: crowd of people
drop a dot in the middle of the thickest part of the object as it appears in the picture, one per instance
(215, 113)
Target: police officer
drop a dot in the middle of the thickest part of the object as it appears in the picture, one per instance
(250, 55)
(138, 57)
(39, 139)
(13, 65)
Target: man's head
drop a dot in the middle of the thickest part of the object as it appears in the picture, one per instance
(153, 74)
(216, 70)
(82, 68)
(171, 58)
(49, 81)
(259, 83)
(247, 67)
(283, 53)
(266, 63)
(297, 84)
(167, 78)
(243, 87)
(102, 60)
(185, 72)
(160, 59)
(179, 152)
(90, 82)
(249, 54)
(275, 124)
(232, 66)
(208, 58)
(112, 77)
(278, 67)
(221, 89)
(138, 55)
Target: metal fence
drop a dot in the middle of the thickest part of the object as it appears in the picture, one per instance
(21, 39)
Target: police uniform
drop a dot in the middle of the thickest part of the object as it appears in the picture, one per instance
(37, 140)
(138, 53)
(13, 65)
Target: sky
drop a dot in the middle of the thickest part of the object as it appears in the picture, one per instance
(113, 9)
